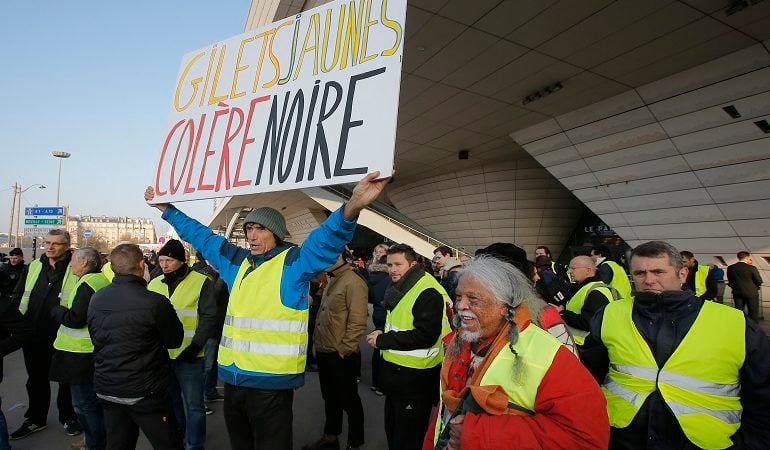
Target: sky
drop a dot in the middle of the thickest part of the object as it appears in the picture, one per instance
(95, 79)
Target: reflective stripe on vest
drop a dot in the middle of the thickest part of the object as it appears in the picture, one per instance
(33, 272)
(536, 349)
(619, 280)
(701, 275)
(260, 333)
(401, 319)
(576, 302)
(77, 340)
(185, 302)
(705, 398)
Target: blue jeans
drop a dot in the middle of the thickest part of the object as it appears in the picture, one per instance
(90, 415)
(186, 392)
(210, 369)
(4, 445)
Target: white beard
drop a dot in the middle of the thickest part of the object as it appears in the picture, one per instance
(468, 336)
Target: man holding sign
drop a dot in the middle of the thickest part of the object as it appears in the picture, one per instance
(262, 352)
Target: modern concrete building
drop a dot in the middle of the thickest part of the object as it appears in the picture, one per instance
(652, 114)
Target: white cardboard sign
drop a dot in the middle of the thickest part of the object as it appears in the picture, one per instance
(309, 100)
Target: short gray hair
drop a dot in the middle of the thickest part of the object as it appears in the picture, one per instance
(91, 256)
(61, 232)
(655, 249)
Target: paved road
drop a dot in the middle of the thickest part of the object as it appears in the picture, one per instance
(308, 413)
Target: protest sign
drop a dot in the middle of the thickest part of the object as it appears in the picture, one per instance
(309, 100)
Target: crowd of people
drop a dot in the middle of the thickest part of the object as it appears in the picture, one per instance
(496, 351)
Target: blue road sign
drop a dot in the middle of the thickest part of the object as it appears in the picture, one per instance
(44, 211)
(87, 233)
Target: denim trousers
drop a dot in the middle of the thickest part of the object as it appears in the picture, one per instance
(210, 369)
(186, 393)
(90, 415)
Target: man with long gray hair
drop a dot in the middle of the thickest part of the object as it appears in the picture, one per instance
(506, 383)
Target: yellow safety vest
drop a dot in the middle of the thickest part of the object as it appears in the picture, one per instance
(77, 340)
(701, 275)
(401, 319)
(260, 333)
(619, 280)
(185, 302)
(704, 397)
(35, 267)
(575, 304)
(536, 349)
(108, 272)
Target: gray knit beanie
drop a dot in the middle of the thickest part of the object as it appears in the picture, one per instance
(268, 218)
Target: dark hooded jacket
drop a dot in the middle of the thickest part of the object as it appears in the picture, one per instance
(132, 330)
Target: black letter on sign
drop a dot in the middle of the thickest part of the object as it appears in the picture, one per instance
(347, 125)
(320, 136)
(272, 137)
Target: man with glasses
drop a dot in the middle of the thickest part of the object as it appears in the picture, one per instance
(46, 282)
(589, 294)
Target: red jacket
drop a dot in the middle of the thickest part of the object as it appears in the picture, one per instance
(570, 413)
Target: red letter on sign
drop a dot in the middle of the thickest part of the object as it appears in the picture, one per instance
(163, 156)
(246, 141)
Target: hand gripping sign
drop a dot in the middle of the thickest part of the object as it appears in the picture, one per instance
(309, 100)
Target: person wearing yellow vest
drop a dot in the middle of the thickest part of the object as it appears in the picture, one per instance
(410, 346)
(677, 371)
(559, 269)
(589, 295)
(505, 382)
(46, 282)
(192, 295)
(73, 361)
(611, 272)
(264, 340)
(700, 278)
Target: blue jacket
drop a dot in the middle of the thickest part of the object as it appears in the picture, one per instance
(320, 250)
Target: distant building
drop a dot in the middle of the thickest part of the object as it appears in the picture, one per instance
(111, 229)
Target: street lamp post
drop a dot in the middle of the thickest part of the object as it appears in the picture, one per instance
(61, 155)
(16, 207)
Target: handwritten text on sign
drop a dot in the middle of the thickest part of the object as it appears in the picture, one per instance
(309, 100)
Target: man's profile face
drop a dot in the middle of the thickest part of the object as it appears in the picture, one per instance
(398, 265)
(79, 265)
(15, 260)
(581, 268)
(656, 274)
(439, 258)
(260, 239)
(55, 246)
(688, 262)
(168, 264)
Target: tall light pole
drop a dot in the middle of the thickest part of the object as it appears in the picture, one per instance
(16, 207)
(61, 155)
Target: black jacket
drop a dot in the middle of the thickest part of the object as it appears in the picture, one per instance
(44, 296)
(9, 276)
(744, 279)
(664, 320)
(406, 382)
(711, 283)
(594, 302)
(221, 295)
(378, 282)
(132, 330)
(70, 367)
(15, 330)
